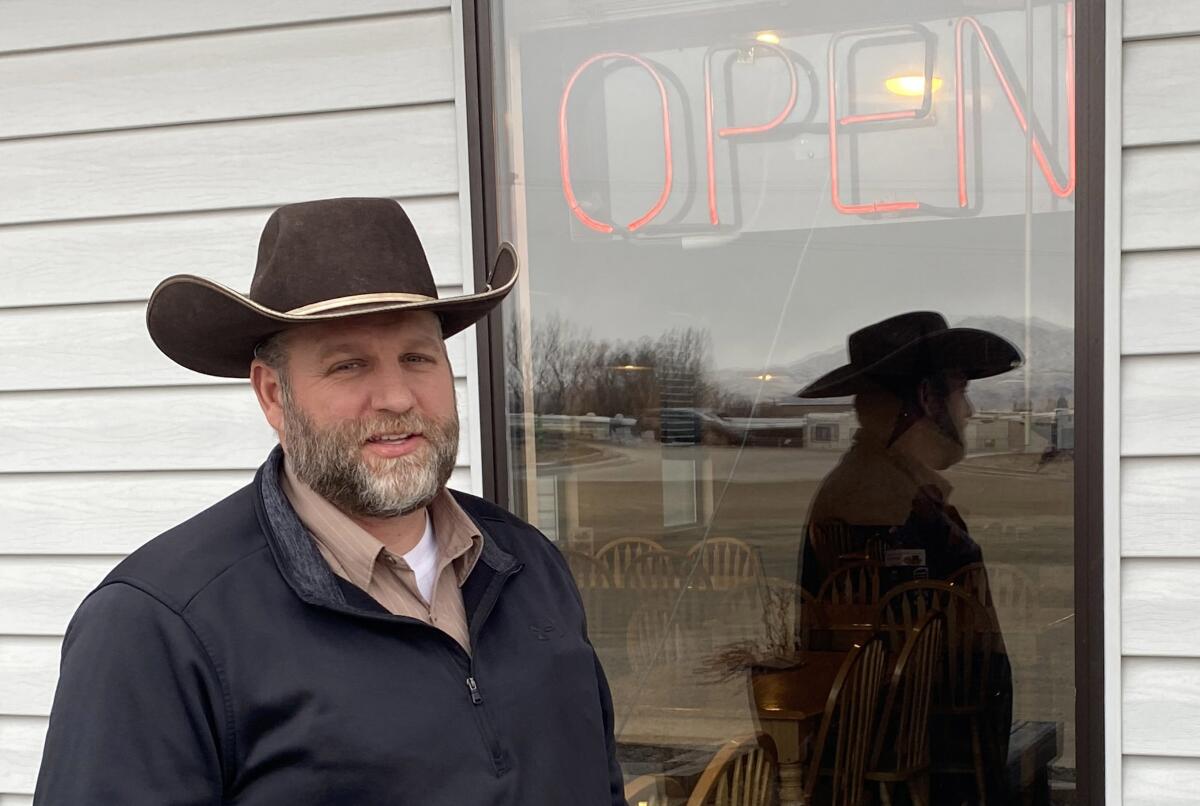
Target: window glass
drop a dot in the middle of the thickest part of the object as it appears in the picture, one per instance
(789, 380)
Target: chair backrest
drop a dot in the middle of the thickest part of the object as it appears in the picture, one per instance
(971, 642)
(742, 773)
(729, 561)
(654, 638)
(654, 790)
(834, 544)
(1005, 588)
(856, 583)
(589, 573)
(618, 555)
(902, 740)
(665, 570)
(845, 739)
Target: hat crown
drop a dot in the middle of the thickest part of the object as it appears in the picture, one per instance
(876, 342)
(321, 250)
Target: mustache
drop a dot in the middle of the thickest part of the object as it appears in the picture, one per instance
(363, 429)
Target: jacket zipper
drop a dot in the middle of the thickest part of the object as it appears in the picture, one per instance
(464, 658)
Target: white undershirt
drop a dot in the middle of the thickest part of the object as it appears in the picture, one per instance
(423, 560)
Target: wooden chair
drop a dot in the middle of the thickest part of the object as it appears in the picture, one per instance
(617, 556)
(834, 544)
(666, 570)
(589, 573)
(854, 584)
(742, 773)
(901, 751)
(1006, 588)
(848, 728)
(729, 561)
(654, 790)
(656, 637)
(972, 643)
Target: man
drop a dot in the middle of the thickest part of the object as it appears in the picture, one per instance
(344, 630)
(887, 499)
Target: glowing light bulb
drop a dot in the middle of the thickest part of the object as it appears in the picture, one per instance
(911, 86)
(769, 37)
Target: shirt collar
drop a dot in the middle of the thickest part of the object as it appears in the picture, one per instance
(357, 551)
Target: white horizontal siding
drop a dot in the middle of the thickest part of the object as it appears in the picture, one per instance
(214, 427)
(1159, 601)
(1160, 102)
(1160, 299)
(1160, 405)
(1145, 18)
(349, 65)
(105, 346)
(1160, 402)
(141, 139)
(1162, 706)
(30, 24)
(409, 151)
(1161, 781)
(123, 259)
(21, 741)
(1160, 507)
(1158, 197)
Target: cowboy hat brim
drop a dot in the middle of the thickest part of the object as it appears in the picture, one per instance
(212, 329)
(975, 353)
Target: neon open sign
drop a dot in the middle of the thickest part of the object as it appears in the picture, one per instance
(838, 124)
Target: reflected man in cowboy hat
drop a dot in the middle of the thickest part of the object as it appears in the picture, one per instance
(887, 502)
(344, 629)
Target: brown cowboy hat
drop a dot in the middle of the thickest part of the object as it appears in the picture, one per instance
(914, 345)
(317, 261)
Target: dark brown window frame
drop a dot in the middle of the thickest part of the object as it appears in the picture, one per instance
(1089, 347)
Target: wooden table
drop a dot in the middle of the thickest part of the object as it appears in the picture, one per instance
(790, 704)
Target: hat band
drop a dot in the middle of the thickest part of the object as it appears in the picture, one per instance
(357, 299)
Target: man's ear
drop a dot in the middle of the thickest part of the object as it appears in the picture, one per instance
(929, 400)
(268, 388)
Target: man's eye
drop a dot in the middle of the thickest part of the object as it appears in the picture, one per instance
(417, 359)
(345, 366)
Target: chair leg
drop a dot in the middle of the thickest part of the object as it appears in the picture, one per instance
(977, 750)
(918, 790)
(885, 793)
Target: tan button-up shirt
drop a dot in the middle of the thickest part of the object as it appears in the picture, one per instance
(358, 557)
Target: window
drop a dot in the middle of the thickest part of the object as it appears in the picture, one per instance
(795, 341)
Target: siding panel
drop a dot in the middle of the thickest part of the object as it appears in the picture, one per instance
(1160, 510)
(1160, 103)
(190, 428)
(38, 595)
(26, 24)
(1159, 602)
(1160, 18)
(1160, 405)
(1161, 699)
(21, 742)
(369, 63)
(112, 513)
(1159, 204)
(29, 668)
(1160, 294)
(123, 259)
(409, 152)
(1160, 781)
(109, 513)
(105, 346)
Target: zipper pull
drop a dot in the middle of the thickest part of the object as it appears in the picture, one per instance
(476, 697)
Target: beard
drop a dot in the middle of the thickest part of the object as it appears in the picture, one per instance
(331, 461)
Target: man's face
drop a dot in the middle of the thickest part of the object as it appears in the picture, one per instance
(948, 409)
(366, 411)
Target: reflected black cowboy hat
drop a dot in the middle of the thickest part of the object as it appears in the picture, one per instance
(317, 261)
(911, 346)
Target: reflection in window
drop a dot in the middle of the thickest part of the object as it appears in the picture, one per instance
(789, 380)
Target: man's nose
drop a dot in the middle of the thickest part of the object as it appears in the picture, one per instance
(390, 391)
